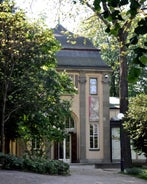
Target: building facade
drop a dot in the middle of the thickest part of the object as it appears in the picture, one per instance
(88, 138)
(115, 129)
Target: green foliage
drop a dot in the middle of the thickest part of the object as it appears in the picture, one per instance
(136, 122)
(134, 171)
(121, 18)
(30, 85)
(139, 172)
(94, 29)
(140, 35)
(40, 129)
(125, 25)
(140, 86)
(11, 162)
(135, 72)
(37, 165)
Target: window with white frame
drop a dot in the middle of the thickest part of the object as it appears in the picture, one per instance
(69, 123)
(94, 142)
(93, 86)
(75, 79)
(35, 144)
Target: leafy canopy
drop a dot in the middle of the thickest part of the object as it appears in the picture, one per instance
(136, 122)
(120, 18)
(30, 85)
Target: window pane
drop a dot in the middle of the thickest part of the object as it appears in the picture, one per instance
(93, 86)
(95, 129)
(67, 123)
(91, 142)
(91, 130)
(93, 135)
(95, 142)
(71, 123)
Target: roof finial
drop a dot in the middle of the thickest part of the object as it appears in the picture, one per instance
(59, 11)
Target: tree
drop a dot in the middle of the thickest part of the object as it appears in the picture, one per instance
(136, 122)
(94, 29)
(47, 123)
(29, 81)
(41, 129)
(140, 86)
(118, 17)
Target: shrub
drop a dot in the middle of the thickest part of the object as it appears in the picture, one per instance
(37, 165)
(57, 167)
(2, 158)
(134, 171)
(11, 162)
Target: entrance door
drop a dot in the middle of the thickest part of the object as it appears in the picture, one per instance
(67, 150)
(115, 144)
(73, 147)
(64, 149)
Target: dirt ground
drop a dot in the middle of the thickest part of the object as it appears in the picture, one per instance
(80, 174)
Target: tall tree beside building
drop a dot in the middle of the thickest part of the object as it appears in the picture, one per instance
(94, 29)
(28, 80)
(118, 17)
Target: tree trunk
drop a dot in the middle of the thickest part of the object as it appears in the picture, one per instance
(2, 135)
(113, 89)
(7, 145)
(3, 118)
(123, 92)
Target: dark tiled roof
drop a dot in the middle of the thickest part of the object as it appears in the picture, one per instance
(80, 58)
(77, 51)
(69, 40)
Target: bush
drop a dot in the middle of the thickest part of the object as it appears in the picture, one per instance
(57, 167)
(37, 165)
(11, 162)
(134, 171)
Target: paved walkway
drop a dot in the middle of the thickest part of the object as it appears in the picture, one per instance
(80, 174)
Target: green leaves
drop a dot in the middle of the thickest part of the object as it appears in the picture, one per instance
(29, 81)
(141, 29)
(116, 15)
(134, 40)
(136, 122)
(123, 2)
(140, 58)
(140, 50)
(133, 74)
(127, 22)
(113, 3)
(143, 59)
(96, 5)
(134, 6)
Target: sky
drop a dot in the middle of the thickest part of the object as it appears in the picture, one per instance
(55, 11)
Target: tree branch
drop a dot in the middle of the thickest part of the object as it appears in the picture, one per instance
(8, 116)
(98, 14)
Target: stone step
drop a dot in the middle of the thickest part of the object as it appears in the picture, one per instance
(107, 165)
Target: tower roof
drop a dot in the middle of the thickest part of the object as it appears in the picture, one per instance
(77, 51)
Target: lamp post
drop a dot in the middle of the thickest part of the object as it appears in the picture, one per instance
(120, 117)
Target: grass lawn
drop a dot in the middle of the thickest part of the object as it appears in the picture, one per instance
(143, 175)
(140, 172)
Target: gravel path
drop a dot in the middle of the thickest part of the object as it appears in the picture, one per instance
(80, 174)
